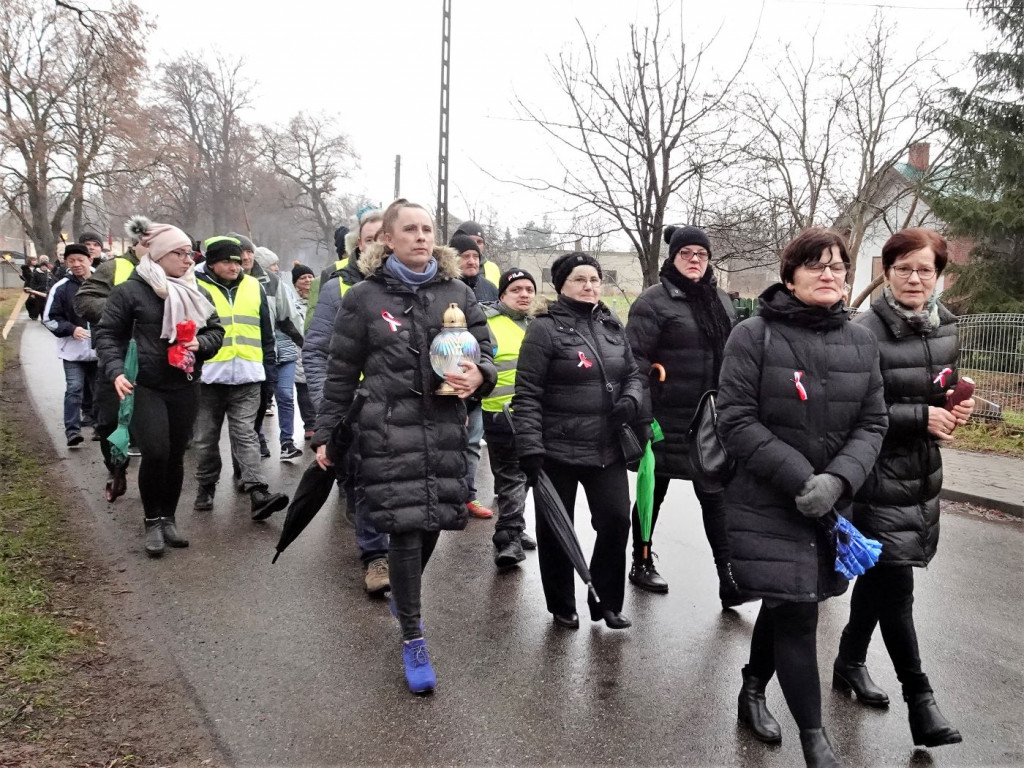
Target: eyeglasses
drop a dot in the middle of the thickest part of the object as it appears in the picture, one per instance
(182, 253)
(837, 270)
(582, 282)
(689, 255)
(925, 273)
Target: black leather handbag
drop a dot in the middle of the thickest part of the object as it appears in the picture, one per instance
(711, 466)
(632, 450)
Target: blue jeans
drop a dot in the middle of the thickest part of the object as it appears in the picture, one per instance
(476, 433)
(285, 395)
(371, 544)
(78, 376)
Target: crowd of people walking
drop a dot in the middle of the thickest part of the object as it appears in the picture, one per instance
(824, 415)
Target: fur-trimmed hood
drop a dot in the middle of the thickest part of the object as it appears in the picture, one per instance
(447, 260)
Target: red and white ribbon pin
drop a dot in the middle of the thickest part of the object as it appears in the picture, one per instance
(801, 390)
(391, 320)
(583, 363)
(941, 378)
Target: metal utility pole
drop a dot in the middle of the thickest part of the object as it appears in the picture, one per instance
(398, 175)
(442, 152)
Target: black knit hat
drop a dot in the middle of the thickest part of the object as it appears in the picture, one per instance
(462, 243)
(223, 249)
(90, 237)
(471, 228)
(565, 264)
(339, 239)
(510, 276)
(299, 270)
(680, 237)
(71, 250)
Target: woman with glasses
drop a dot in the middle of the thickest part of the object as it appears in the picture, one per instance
(576, 386)
(147, 307)
(680, 326)
(899, 503)
(802, 412)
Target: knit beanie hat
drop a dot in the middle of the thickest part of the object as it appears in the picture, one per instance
(680, 237)
(299, 270)
(245, 243)
(90, 237)
(339, 239)
(463, 243)
(157, 239)
(565, 264)
(510, 276)
(75, 248)
(471, 228)
(266, 258)
(223, 249)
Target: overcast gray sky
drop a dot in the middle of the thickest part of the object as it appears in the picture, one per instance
(376, 65)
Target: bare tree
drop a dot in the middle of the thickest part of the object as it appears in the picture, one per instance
(646, 134)
(314, 156)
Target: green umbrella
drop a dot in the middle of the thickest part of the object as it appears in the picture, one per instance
(120, 438)
(645, 487)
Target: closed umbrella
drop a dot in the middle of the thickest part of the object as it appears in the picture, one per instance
(645, 487)
(549, 506)
(120, 437)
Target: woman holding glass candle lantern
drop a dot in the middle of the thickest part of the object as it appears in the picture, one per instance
(409, 438)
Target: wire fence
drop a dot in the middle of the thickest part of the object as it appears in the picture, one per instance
(992, 353)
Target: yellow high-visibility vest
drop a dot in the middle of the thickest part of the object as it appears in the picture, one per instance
(508, 338)
(492, 273)
(123, 269)
(240, 358)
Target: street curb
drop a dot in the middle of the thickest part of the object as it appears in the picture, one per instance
(1009, 507)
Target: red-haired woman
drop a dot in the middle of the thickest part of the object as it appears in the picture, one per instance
(899, 502)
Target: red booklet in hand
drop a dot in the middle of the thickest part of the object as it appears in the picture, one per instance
(963, 390)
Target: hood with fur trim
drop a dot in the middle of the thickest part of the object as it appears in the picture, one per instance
(447, 260)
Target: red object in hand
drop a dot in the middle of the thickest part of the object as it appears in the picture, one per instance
(186, 331)
(177, 355)
(963, 390)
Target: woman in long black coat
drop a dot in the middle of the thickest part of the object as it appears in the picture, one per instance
(410, 443)
(577, 384)
(681, 324)
(899, 503)
(802, 412)
(147, 307)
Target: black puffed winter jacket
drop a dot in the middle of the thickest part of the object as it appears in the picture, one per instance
(899, 503)
(562, 402)
(410, 443)
(662, 329)
(133, 310)
(779, 439)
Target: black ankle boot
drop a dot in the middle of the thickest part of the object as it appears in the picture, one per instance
(644, 575)
(817, 749)
(927, 725)
(728, 592)
(154, 537)
(753, 711)
(850, 676)
(204, 498)
(612, 619)
(171, 535)
(264, 503)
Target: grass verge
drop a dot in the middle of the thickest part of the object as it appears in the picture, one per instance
(1005, 438)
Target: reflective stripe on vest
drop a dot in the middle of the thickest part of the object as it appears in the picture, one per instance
(123, 269)
(241, 320)
(508, 338)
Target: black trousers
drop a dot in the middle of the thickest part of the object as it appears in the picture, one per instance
(510, 490)
(607, 491)
(884, 597)
(711, 508)
(785, 641)
(407, 558)
(164, 418)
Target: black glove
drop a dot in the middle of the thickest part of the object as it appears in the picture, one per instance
(819, 494)
(624, 411)
(531, 466)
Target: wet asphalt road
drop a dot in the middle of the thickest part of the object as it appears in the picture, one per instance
(292, 664)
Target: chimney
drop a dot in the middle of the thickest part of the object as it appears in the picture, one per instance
(919, 155)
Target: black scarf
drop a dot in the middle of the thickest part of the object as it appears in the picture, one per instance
(712, 319)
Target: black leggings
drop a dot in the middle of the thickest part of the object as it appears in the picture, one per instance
(785, 641)
(407, 557)
(884, 596)
(712, 510)
(162, 423)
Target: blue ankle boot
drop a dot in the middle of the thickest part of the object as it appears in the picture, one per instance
(418, 671)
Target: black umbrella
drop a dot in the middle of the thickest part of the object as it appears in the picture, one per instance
(549, 506)
(315, 484)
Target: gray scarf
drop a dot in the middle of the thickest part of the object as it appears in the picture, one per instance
(925, 321)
